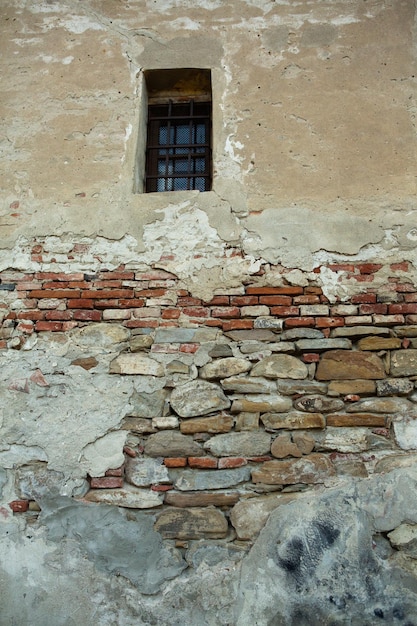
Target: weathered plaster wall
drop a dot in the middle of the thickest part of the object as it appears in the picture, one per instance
(209, 399)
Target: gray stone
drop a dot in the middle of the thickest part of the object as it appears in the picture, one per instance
(359, 331)
(394, 386)
(136, 363)
(128, 497)
(404, 363)
(251, 335)
(270, 323)
(168, 443)
(319, 345)
(148, 404)
(198, 398)
(249, 384)
(116, 545)
(247, 421)
(210, 553)
(260, 403)
(315, 468)
(175, 335)
(222, 368)
(143, 472)
(100, 335)
(3, 480)
(280, 366)
(36, 482)
(140, 342)
(404, 538)
(381, 405)
(195, 523)
(405, 431)
(250, 516)
(293, 420)
(301, 333)
(293, 387)
(220, 350)
(344, 440)
(138, 425)
(292, 444)
(318, 404)
(406, 331)
(239, 444)
(200, 480)
(201, 498)
(395, 461)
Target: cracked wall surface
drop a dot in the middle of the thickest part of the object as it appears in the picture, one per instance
(209, 400)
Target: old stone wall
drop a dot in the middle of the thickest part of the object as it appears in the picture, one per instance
(209, 400)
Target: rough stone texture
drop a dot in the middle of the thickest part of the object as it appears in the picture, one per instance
(404, 363)
(293, 420)
(136, 363)
(240, 384)
(128, 497)
(239, 444)
(195, 523)
(394, 386)
(249, 516)
(254, 403)
(280, 366)
(200, 480)
(198, 398)
(171, 443)
(143, 472)
(317, 404)
(340, 365)
(216, 424)
(315, 468)
(225, 367)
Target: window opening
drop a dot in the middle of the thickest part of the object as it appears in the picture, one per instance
(178, 151)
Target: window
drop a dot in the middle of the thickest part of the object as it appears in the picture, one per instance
(178, 145)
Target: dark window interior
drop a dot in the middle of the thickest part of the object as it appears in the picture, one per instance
(178, 154)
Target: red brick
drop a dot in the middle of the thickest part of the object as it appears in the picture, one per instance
(196, 311)
(85, 315)
(54, 293)
(243, 300)
(363, 298)
(296, 322)
(410, 297)
(307, 299)
(288, 290)
(130, 452)
(161, 487)
(146, 293)
(170, 314)
(202, 462)
(31, 315)
(79, 303)
(175, 462)
(341, 267)
(148, 323)
(404, 287)
(117, 471)
(106, 284)
(54, 284)
(123, 275)
(310, 357)
(19, 506)
(63, 316)
(3, 344)
(105, 294)
(363, 278)
(213, 323)
(188, 301)
(130, 303)
(313, 290)
(402, 308)
(189, 348)
(155, 275)
(237, 325)
(25, 286)
(260, 459)
(219, 301)
(231, 461)
(68, 326)
(48, 326)
(285, 311)
(225, 311)
(25, 327)
(367, 309)
(106, 482)
(401, 267)
(330, 322)
(58, 276)
(369, 268)
(277, 300)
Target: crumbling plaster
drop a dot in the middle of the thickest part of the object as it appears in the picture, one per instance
(313, 124)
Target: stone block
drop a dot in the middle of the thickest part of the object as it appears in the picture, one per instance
(222, 368)
(379, 343)
(136, 363)
(315, 468)
(144, 472)
(280, 366)
(202, 498)
(127, 497)
(239, 444)
(198, 398)
(318, 404)
(346, 387)
(249, 516)
(201, 480)
(356, 419)
(293, 420)
(394, 387)
(342, 365)
(168, 443)
(404, 363)
(194, 523)
(260, 403)
(220, 423)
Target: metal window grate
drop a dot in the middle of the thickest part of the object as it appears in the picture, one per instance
(178, 153)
